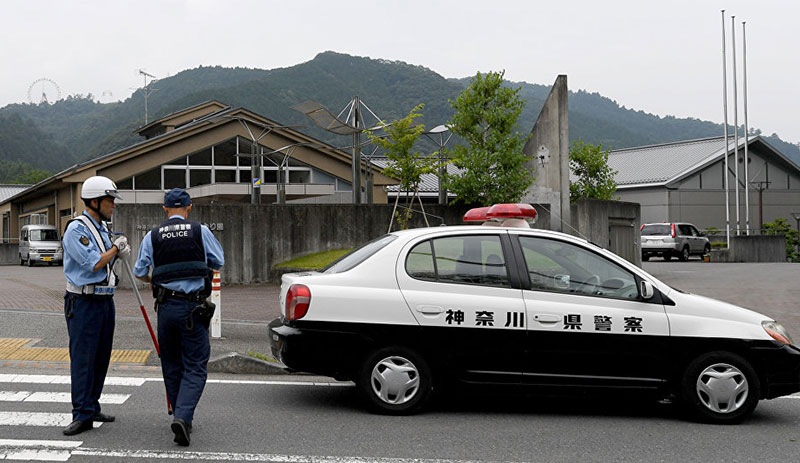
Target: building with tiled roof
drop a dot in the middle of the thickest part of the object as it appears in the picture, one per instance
(685, 181)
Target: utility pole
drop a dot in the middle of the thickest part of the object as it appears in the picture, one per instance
(147, 90)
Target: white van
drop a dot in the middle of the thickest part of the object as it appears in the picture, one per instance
(40, 243)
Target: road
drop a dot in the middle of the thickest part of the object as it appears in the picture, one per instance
(311, 419)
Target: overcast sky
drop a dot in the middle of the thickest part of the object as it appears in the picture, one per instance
(660, 57)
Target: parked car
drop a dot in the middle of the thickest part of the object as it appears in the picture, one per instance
(40, 243)
(432, 309)
(673, 239)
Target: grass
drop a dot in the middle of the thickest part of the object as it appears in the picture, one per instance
(261, 356)
(316, 261)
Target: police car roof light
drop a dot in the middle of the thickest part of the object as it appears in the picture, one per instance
(512, 211)
(506, 215)
(477, 214)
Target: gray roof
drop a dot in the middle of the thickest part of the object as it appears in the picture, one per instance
(660, 164)
(429, 183)
(7, 191)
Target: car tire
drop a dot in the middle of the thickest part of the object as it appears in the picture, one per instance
(667, 256)
(684, 256)
(21, 260)
(707, 249)
(395, 381)
(30, 264)
(720, 388)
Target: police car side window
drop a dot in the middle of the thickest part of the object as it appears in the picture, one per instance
(459, 259)
(559, 266)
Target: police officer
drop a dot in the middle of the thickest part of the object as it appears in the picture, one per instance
(89, 254)
(180, 253)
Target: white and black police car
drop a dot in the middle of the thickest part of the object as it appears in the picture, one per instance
(423, 310)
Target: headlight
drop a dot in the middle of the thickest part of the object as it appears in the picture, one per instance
(777, 331)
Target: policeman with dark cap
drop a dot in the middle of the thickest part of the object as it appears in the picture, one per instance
(89, 254)
(181, 254)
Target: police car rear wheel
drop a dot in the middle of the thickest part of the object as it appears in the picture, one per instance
(395, 381)
(720, 387)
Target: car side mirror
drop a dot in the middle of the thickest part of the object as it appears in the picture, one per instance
(646, 290)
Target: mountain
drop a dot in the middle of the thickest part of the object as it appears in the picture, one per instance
(55, 136)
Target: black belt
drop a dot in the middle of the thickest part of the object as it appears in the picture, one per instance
(193, 297)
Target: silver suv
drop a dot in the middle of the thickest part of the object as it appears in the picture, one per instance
(669, 239)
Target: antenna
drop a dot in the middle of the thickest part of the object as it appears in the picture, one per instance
(146, 90)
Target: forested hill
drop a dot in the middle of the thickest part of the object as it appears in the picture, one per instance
(52, 137)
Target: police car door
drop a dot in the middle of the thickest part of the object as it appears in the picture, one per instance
(457, 286)
(587, 325)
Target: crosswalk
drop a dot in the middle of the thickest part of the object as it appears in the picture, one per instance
(17, 389)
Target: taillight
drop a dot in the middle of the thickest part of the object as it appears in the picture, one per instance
(672, 230)
(298, 297)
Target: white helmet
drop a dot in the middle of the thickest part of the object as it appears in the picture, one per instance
(98, 187)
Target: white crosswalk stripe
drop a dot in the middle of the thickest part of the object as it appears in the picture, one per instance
(58, 397)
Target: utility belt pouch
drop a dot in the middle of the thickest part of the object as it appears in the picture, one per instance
(159, 294)
(205, 311)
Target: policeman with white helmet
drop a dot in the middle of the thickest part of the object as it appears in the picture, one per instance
(89, 254)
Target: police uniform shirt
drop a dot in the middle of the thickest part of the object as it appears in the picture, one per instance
(214, 258)
(81, 253)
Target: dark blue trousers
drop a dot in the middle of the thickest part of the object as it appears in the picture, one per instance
(185, 350)
(90, 324)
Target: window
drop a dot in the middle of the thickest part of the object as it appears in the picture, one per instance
(174, 178)
(225, 153)
(473, 259)
(559, 266)
(202, 158)
(199, 177)
(150, 180)
(224, 176)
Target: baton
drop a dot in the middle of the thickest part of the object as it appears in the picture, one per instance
(146, 318)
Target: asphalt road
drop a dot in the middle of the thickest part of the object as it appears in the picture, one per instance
(308, 419)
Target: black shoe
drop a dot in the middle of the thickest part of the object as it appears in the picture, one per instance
(103, 418)
(77, 427)
(181, 430)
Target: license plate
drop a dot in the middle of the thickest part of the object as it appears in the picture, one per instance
(47, 259)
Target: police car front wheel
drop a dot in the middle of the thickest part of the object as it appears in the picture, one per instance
(395, 381)
(720, 387)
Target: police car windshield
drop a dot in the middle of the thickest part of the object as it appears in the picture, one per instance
(359, 255)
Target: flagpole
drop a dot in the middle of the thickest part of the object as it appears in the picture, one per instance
(746, 130)
(735, 123)
(725, 126)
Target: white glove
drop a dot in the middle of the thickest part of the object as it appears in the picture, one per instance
(123, 248)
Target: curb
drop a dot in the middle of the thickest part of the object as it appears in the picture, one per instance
(233, 362)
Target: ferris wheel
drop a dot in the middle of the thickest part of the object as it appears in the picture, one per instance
(43, 90)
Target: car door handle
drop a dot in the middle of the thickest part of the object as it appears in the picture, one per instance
(430, 309)
(546, 318)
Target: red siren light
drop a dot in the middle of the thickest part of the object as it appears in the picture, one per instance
(477, 214)
(510, 215)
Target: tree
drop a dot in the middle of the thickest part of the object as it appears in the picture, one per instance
(782, 227)
(492, 165)
(405, 164)
(595, 178)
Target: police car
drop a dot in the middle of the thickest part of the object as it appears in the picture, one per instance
(424, 310)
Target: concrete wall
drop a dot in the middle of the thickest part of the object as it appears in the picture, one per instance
(9, 253)
(256, 237)
(548, 148)
(613, 225)
(753, 248)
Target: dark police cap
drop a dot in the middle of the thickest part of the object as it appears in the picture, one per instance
(177, 197)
